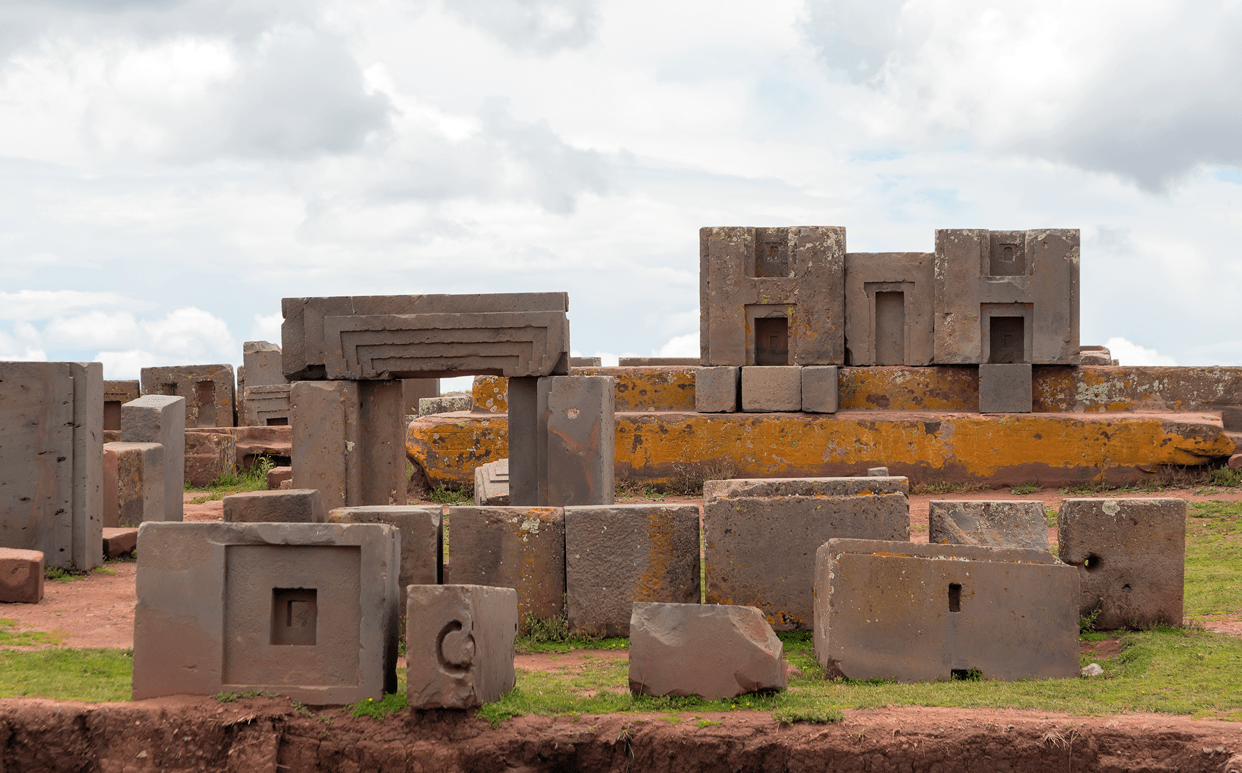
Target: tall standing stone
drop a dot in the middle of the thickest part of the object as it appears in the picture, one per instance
(161, 419)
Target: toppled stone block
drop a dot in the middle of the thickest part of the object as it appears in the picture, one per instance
(207, 389)
(1005, 388)
(459, 645)
(819, 389)
(294, 506)
(133, 489)
(585, 362)
(161, 419)
(422, 538)
(771, 389)
(761, 536)
(918, 612)
(446, 404)
(992, 524)
(119, 541)
(279, 475)
(116, 394)
(209, 456)
(713, 651)
(21, 576)
(618, 554)
(715, 389)
(889, 308)
(1131, 556)
(491, 484)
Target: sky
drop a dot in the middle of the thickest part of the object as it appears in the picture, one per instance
(170, 169)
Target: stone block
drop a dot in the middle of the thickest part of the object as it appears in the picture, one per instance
(575, 437)
(51, 464)
(889, 308)
(761, 536)
(877, 472)
(585, 362)
(989, 524)
(491, 484)
(293, 506)
(1231, 418)
(619, 554)
(21, 576)
(116, 394)
(267, 406)
(1006, 296)
(1095, 355)
(772, 296)
(422, 538)
(133, 490)
(207, 389)
(917, 612)
(512, 547)
(772, 389)
(119, 541)
(415, 389)
(263, 364)
(459, 645)
(304, 610)
(819, 389)
(161, 419)
(278, 475)
(716, 389)
(1005, 388)
(656, 362)
(1131, 556)
(713, 651)
(209, 456)
(446, 404)
(522, 395)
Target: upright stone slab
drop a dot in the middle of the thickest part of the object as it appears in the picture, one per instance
(21, 576)
(990, 524)
(422, 538)
(459, 645)
(116, 394)
(619, 554)
(304, 610)
(263, 364)
(491, 484)
(133, 490)
(524, 441)
(511, 547)
(160, 419)
(761, 536)
(713, 651)
(207, 389)
(576, 440)
(889, 308)
(268, 406)
(415, 389)
(287, 506)
(772, 296)
(771, 389)
(716, 389)
(1131, 556)
(917, 612)
(1005, 388)
(819, 389)
(51, 460)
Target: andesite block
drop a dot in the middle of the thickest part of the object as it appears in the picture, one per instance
(161, 419)
(207, 389)
(1005, 388)
(275, 506)
(988, 523)
(422, 538)
(133, 490)
(716, 388)
(819, 389)
(771, 389)
(459, 645)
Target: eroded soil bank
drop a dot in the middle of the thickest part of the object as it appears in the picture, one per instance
(267, 735)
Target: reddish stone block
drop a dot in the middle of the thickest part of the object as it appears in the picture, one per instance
(21, 575)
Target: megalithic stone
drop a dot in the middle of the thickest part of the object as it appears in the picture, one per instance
(208, 390)
(991, 524)
(161, 419)
(577, 425)
(459, 645)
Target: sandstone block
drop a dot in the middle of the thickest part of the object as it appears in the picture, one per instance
(991, 524)
(161, 419)
(889, 299)
(119, 541)
(446, 404)
(278, 475)
(491, 484)
(207, 389)
(209, 456)
(116, 394)
(715, 389)
(877, 472)
(459, 645)
(21, 576)
(133, 489)
(294, 506)
(713, 651)
(771, 389)
(819, 389)
(422, 538)
(1005, 388)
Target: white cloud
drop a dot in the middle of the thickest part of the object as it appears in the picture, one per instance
(120, 366)
(93, 330)
(13, 349)
(43, 304)
(193, 336)
(266, 327)
(538, 26)
(680, 346)
(1129, 353)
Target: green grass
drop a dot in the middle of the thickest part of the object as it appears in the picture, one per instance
(57, 574)
(254, 479)
(940, 487)
(443, 495)
(1025, 488)
(551, 634)
(1213, 559)
(67, 674)
(390, 704)
(11, 638)
(630, 491)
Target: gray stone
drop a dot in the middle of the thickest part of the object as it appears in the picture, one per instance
(655, 362)
(207, 389)
(116, 394)
(713, 651)
(119, 541)
(716, 388)
(774, 388)
(415, 389)
(585, 362)
(761, 536)
(160, 419)
(262, 362)
(1131, 556)
(21, 576)
(877, 472)
(889, 308)
(1005, 388)
(304, 610)
(819, 389)
(459, 645)
(422, 538)
(291, 506)
(619, 554)
(523, 399)
(491, 484)
(1095, 355)
(133, 490)
(1231, 418)
(915, 612)
(1091, 669)
(446, 404)
(575, 436)
(267, 406)
(990, 524)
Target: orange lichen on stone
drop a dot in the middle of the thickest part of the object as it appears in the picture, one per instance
(637, 389)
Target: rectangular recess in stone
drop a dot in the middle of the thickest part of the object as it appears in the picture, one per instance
(207, 389)
(1005, 388)
(161, 419)
(889, 308)
(459, 645)
(116, 394)
(267, 406)
(761, 536)
(295, 613)
(771, 343)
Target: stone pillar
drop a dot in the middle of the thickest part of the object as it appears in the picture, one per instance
(523, 448)
(576, 440)
(160, 419)
(87, 463)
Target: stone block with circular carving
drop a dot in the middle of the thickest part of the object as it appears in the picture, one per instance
(459, 645)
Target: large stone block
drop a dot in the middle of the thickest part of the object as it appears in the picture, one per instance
(459, 645)
(119, 541)
(819, 389)
(267, 406)
(207, 389)
(990, 524)
(761, 536)
(1005, 388)
(716, 389)
(1006, 296)
(161, 419)
(491, 484)
(522, 395)
(619, 554)
(1131, 556)
(425, 336)
(889, 308)
(576, 422)
(263, 364)
(21, 576)
(287, 506)
(133, 490)
(304, 610)
(209, 456)
(713, 651)
(422, 538)
(116, 394)
(51, 460)
(917, 612)
(772, 389)
(772, 296)
(511, 547)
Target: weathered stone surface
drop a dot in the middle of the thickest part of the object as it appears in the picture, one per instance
(1095, 355)
(273, 441)
(585, 362)
(991, 524)
(889, 308)
(769, 389)
(207, 389)
(918, 612)
(278, 475)
(656, 362)
(459, 645)
(716, 389)
(161, 419)
(575, 445)
(304, 610)
(1231, 418)
(425, 336)
(1005, 388)
(636, 389)
(267, 406)
(1131, 556)
(209, 456)
(422, 538)
(21, 576)
(133, 489)
(511, 547)
(119, 541)
(819, 388)
(772, 296)
(262, 362)
(293, 506)
(713, 651)
(116, 394)
(877, 472)
(445, 404)
(415, 389)
(619, 554)
(761, 536)
(491, 484)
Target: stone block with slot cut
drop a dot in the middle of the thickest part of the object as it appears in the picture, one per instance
(161, 419)
(459, 645)
(207, 389)
(918, 612)
(888, 308)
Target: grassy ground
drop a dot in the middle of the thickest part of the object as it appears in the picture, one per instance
(254, 479)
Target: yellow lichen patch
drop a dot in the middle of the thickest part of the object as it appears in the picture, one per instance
(909, 389)
(636, 389)
(650, 586)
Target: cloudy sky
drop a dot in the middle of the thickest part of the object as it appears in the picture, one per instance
(170, 169)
